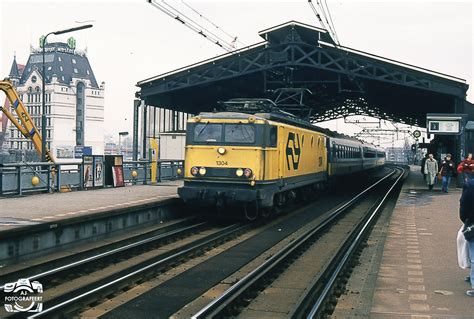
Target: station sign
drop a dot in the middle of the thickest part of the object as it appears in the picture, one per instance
(443, 127)
(79, 151)
(444, 124)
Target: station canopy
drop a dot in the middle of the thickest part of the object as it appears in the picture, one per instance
(305, 72)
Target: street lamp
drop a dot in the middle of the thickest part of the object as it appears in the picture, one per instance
(43, 115)
(120, 139)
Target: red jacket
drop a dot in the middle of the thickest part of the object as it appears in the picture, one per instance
(466, 166)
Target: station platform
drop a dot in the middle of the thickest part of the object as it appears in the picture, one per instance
(41, 208)
(419, 275)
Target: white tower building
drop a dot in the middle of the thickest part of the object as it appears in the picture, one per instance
(74, 100)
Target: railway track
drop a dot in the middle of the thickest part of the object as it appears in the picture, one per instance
(88, 282)
(315, 300)
(78, 282)
(86, 254)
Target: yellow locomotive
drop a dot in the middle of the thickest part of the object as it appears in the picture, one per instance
(258, 161)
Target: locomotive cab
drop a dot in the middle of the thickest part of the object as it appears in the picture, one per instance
(225, 160)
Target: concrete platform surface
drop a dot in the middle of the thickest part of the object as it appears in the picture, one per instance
(34, 209)
(419, 276)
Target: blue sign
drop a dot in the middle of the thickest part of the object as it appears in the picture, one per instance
(82, 150)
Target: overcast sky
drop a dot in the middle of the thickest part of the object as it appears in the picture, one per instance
(131, 40)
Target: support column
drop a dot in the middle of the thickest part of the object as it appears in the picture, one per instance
(136, 110)
(461, 142)
(154, 122)
(144, 131)
(163, 120)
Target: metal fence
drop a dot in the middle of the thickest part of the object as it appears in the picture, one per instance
(23, 178)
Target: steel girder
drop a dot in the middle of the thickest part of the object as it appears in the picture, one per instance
(344, 81)
(267, 57)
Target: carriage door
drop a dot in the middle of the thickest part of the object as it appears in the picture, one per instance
(281, 153)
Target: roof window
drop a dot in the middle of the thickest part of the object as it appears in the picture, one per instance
(74, 61)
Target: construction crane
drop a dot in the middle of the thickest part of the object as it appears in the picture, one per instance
(25, 124)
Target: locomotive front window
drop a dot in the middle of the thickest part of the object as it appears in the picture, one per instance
(206, 132)
(239, 133)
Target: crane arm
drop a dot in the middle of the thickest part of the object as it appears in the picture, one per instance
(25, 124)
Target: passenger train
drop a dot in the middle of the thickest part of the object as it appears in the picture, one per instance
(258, 161)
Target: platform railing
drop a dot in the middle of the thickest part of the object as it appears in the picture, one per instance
(168, 169)
(36, 177)
(23, 178)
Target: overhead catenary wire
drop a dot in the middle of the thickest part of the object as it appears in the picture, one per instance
(234, 38)
(177, 15)
(326, 25)
(317, 14)
(330, 19)
(331, 27)
(202, 30)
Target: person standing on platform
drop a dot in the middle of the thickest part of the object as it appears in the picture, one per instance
(466, 168)
(431, 169)
(447, 171)
(466, 214)
(423, 161)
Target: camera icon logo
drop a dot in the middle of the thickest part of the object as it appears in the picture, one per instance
(23, 296)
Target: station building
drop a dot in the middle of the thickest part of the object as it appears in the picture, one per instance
(74, 100)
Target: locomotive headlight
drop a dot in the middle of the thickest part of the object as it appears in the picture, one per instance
(247, 172)
(239, 172)
(221, 150)
(202, 171)
(194, 171)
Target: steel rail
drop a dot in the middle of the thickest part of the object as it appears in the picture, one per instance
(230, 295)
(124, 277)
(334, 274)
(134, 245)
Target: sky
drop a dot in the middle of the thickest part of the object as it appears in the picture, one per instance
(131, 40)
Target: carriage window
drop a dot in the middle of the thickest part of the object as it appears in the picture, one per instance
(240, 133)
(273, 136)
(206, 132)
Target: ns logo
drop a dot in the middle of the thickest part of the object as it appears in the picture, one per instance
(293, 151)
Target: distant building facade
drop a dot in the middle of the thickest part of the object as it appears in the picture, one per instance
(399, 155)
(74, 100)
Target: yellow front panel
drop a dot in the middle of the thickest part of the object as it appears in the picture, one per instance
(234, 157)
(298, 152)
